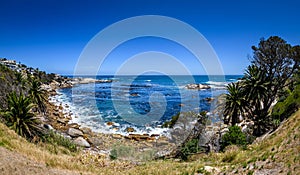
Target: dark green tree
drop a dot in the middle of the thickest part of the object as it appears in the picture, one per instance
(278, 61)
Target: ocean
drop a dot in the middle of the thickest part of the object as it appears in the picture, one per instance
(141, 102)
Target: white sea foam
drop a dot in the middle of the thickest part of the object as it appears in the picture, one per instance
(84, 116)
(217, 83)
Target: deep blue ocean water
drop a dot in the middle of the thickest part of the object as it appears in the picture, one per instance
(142, 102)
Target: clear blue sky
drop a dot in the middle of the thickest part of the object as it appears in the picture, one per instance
(50, 34)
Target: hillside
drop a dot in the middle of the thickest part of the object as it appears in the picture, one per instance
(276, 153)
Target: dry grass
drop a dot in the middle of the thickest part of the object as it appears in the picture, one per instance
(39, 153)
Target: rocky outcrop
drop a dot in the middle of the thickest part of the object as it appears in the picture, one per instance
(80, 141)
(197, 86)
(210, 139)
(74, 132)
(188, 126)
(141, 137)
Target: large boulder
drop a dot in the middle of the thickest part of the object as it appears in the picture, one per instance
(74, 132)
(86, 130)
(80, 141)
(95, 141)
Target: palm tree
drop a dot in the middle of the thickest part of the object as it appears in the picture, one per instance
(20, 81)
(19, 116)
(235, 104)
(255, 85)
(38, 95)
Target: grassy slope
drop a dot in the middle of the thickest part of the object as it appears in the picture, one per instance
(279, 153)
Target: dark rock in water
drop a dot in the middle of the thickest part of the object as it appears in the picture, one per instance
(134, 94)
(209, 99)
(80, 141)
(109, 123)
(129, 129)
(75, 132)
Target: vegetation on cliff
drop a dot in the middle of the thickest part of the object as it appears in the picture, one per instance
(273, 69)
(24, 103)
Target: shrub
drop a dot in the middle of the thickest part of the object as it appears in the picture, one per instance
(122, 152)
(189, 147)
(286, 108)
(59, 140)
(234, 137)
(113, 154)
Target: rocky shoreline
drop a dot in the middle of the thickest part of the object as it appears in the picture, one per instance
(59, 119)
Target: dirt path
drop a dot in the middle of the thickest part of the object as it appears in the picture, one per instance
(12, 163)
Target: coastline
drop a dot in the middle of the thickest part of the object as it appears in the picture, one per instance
(60, 118)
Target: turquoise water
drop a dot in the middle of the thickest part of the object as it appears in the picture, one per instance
(143, 102)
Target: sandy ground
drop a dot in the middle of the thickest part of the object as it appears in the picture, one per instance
(12, 163)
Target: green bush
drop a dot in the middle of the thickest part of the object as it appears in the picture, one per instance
(58, 140)
(189, 148)
(113, 154)
(286, 108)
(234, 137)
(122, 152)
